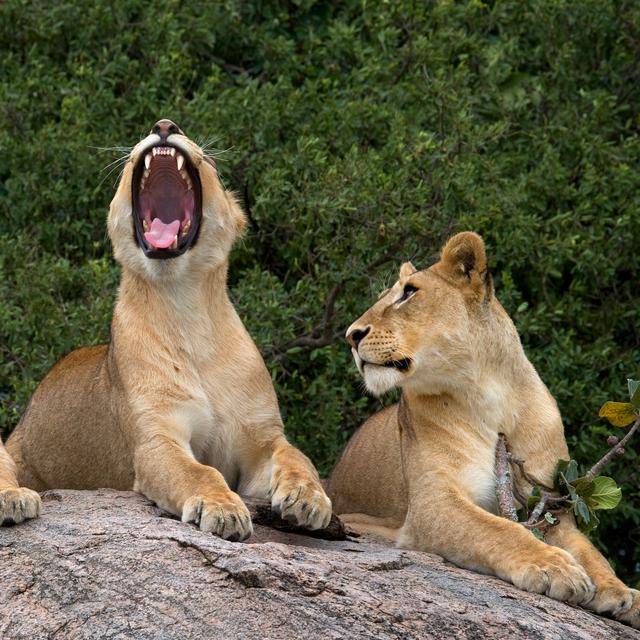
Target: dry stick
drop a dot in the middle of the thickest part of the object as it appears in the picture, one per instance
(537, 512)
(505, 490)
(595, 470)
(504, 487)
(529, 478)
(261, 513)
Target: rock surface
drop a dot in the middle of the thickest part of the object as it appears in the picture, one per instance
(109, 564)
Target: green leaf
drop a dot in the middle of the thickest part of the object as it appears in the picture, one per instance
(534, 498)
(567, 470)
(582, 510)
(583, 487)
(294, 350)
(619, 414)
(550, 518)
(537, 533)
(606, 494)
(634, 392)
(587, 527)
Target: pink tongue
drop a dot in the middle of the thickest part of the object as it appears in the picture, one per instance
(162, 235)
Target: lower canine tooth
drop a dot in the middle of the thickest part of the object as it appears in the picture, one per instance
(145, 225)
(174, 244)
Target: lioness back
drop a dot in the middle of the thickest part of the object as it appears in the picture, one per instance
(353, 487)
(72, 405)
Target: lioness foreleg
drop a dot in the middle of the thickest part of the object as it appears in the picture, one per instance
(612, 596)
(295, 488)
(16, 503)
(445, 522)
(167, 473)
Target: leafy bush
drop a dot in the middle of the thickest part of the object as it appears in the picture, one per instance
(359, 134)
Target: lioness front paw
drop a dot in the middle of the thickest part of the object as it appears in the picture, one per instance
(632, 614)
(227, 517)
(302, 501)
(558, 575)
(612, 599)
(17, 505)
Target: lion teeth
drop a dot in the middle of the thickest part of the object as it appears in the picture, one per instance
(147, 161)
(172, 152)
(185, 228)
(154, 151)
(174, 244)
(145, 225)
(180, 161)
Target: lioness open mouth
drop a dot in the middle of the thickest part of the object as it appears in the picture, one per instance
(167, 202)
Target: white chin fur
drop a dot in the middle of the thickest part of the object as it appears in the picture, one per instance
(379, 380)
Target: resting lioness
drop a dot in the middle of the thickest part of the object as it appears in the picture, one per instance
(422, 471)
(180, 405)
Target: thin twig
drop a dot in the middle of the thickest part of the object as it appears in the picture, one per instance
(534, 482)
(538, 510)
(612, 453)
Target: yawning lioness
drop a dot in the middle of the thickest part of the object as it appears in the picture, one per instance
(180, 405)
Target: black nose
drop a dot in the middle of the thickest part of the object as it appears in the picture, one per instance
(164, 128)
(356, 336)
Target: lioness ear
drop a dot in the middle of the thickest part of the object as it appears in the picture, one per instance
(407, 269)
(464, 258)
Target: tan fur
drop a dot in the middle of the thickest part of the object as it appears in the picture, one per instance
(180, 405)
(16, 503)
(422, 471)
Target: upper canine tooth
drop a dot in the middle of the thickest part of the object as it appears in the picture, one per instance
(180, 161)
(147, 160)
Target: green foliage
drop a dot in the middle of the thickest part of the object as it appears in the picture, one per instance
(360, 134)
(622, 414)
(592, 492)
(586, 495)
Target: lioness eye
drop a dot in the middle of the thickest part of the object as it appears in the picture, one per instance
(407, 292)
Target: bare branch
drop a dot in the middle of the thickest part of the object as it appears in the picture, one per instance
(534, 482)
(612, 453)
(504, 485)
(537, 511)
